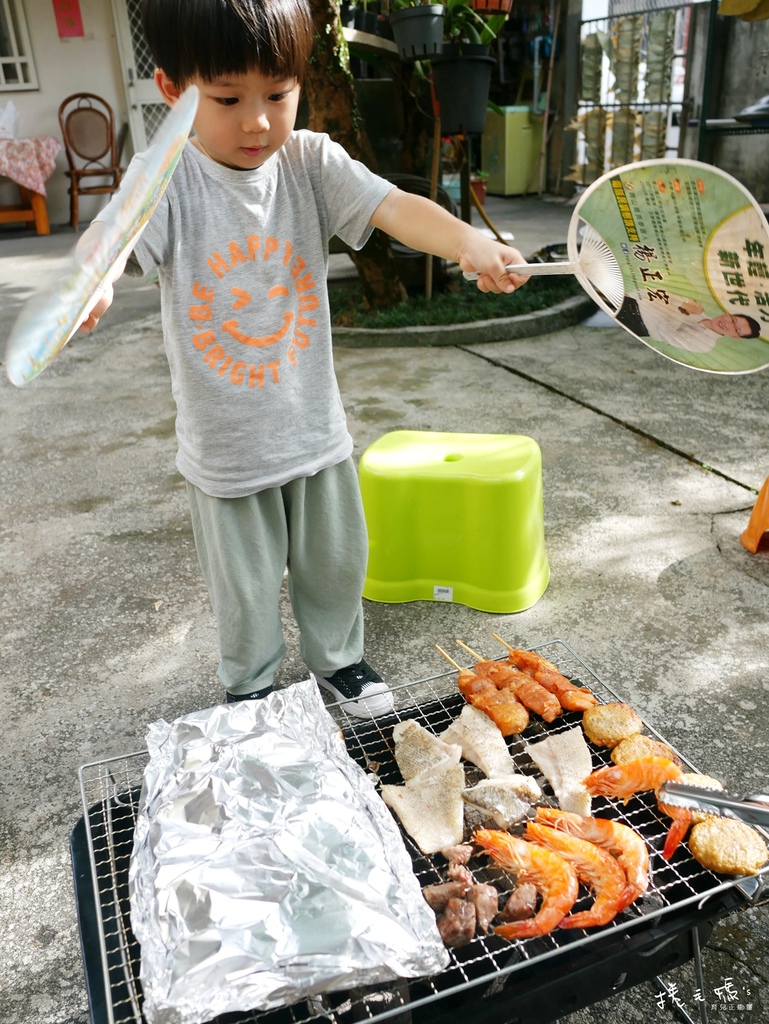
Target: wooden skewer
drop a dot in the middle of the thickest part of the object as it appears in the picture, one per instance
(503, 642)
(478, 657)
(448, 658)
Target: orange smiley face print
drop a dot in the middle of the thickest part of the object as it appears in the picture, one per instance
(232, 349)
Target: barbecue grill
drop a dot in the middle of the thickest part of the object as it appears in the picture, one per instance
(534, 980)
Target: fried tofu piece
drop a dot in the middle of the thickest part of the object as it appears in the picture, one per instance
(638, 745)
(606, 725)
(728, 847)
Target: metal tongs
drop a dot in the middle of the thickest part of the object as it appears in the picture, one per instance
(752, 809)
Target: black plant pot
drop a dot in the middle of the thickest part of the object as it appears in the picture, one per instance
(365, 21)
(418, 31)
(462, 84)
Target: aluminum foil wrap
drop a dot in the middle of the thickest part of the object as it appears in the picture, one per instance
(265, 866)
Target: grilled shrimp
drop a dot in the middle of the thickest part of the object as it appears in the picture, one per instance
(595, 868)
(683, 817)
(623, 780)
(619, 840)
(552, 876)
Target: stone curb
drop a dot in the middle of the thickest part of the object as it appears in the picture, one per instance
(544, 321)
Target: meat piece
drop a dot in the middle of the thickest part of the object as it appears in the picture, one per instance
(481, 741)
(486, 900)
(417, 750)
(533, 696)
(472, 685)
(526, 689)
(458, 854)
(506, 801)
(570, 697)
(457, 923)
(521, 904)
(437, 896)
(502, 706)
(564, 759)
(430, 806)
(505, 710)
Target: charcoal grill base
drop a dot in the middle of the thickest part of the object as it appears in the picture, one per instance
(493, 982)
(545, 993)
(538, 994)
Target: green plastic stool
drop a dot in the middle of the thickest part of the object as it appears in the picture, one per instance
(455, 517)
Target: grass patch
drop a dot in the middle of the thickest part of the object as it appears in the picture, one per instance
(459, 302)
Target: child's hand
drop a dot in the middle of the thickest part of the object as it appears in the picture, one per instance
(100, 308)
(489, 259)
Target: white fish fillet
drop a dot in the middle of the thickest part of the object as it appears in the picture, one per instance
(430, 806)
(505, 800)
(481, 741)
(417, 750)
(564, 759)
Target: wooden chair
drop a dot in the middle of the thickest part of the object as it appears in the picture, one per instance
(90, 142)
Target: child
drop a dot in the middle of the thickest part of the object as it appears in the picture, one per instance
(240, 242)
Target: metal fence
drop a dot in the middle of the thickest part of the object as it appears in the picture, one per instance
(632, 70)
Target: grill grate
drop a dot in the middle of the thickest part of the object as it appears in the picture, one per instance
(110, 792)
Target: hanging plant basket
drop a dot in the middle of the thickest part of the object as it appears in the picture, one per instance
(418, 31)
(462, 83)
(492, 6)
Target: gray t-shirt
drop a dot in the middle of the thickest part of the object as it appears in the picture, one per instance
(242, 258)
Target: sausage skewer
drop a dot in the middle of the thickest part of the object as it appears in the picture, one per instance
(502, 706)
(528, 691)
(571, 697)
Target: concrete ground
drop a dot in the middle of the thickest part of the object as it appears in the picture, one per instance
(650, 472)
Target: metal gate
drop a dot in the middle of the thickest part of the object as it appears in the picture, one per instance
(146, 110)
(632, 70)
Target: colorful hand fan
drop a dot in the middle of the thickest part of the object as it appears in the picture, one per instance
(677, 252)
(49, 319)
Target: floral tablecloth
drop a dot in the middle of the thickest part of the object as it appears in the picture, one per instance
(29, 162)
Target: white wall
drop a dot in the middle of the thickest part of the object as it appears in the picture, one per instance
(64, 66)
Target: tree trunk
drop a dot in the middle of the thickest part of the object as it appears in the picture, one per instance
(330, 93)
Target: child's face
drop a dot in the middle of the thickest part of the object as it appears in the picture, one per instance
(241, 119)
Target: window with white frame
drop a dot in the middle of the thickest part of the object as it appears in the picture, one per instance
(17, 69)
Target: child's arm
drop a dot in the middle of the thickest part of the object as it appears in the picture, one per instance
(423, 225)
(86, 243)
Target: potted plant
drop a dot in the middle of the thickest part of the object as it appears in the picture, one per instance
(493, 6)
(462, 71)
(417, 29)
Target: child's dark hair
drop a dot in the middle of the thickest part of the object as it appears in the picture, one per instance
(213, 38)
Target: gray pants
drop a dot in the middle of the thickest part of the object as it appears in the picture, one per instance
(313, 526)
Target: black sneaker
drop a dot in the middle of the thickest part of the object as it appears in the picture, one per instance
(233, 698)
(359, 689)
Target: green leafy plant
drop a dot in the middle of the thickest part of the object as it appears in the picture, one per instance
(461, 24)
(399, 5)
(458, 302)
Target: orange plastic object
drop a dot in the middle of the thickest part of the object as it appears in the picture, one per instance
(758, 523)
